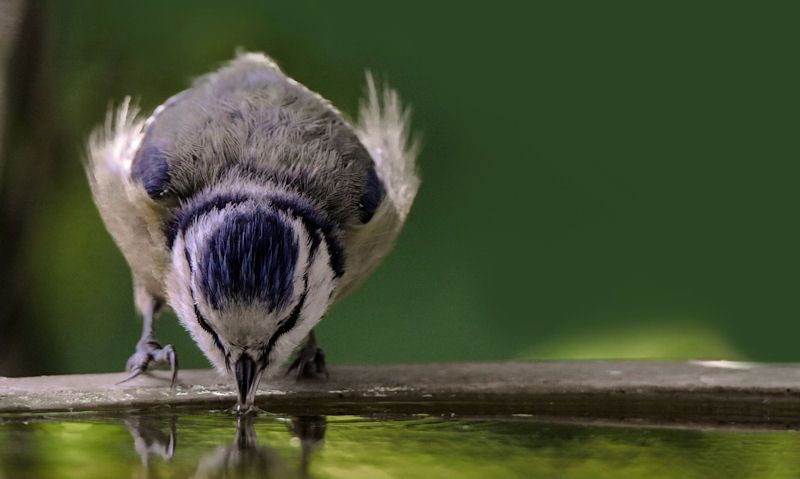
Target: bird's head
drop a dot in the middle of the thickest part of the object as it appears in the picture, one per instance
(250, 280)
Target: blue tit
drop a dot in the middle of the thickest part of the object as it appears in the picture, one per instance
(248, 205)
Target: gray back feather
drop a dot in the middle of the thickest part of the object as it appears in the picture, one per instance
(250, 120)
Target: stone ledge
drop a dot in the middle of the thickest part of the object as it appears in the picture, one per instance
(710, 392)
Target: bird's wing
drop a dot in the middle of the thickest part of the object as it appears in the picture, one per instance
(134, 220)
(383, 129)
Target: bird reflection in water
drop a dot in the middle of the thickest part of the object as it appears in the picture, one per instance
(242, 458)
(245, 457)
(149, 440)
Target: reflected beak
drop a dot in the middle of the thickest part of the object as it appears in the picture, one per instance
(247, 376)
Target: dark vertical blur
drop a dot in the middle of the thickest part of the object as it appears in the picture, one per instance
(10, 21)
(29, 154)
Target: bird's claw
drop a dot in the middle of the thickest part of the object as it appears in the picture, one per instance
(309, 364)
(132, 375)
(148, 352)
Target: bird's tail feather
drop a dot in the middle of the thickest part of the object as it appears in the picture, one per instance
(129, 214)
(112, 146)
(383, 128)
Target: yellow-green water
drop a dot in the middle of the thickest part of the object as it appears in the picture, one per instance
(212, 444)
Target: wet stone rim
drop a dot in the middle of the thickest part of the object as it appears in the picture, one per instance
(694, 392)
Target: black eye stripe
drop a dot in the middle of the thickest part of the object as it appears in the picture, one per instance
(201, 320)
(285, 326)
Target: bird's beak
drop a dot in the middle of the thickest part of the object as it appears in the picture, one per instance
(247, 377)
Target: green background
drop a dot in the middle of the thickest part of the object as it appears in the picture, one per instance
(600, 179)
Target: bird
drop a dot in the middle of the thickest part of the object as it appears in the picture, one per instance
(246, 457)
(249, 205)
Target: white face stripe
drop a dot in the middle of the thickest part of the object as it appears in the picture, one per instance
(200, 318)
(321, 284)
(180, 299)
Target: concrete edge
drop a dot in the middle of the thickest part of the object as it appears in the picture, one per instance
(702, 392)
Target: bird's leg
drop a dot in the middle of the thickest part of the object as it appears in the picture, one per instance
(149, 440)
(310, 361)
(310, 430)
(148, 349)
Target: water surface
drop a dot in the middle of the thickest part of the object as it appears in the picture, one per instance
(215, 444)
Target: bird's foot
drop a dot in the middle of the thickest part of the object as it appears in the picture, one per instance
(309, 364)
(309, 429)
(149, 352)
(148, 438)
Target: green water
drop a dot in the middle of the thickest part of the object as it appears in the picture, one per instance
(212, 444)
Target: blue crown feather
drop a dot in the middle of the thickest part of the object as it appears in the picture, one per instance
(251, 257)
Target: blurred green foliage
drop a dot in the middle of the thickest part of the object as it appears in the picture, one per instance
(590, 170)
(668, 339)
